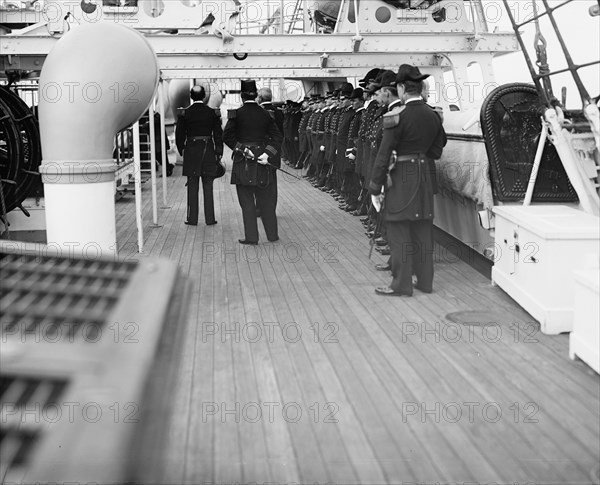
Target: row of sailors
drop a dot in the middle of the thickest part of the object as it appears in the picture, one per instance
(338, 136)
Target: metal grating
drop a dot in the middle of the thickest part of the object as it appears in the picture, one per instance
(27, 405)
(58, 299)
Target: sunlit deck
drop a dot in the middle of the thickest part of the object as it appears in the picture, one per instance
(295, 371)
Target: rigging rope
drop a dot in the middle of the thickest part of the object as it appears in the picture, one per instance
(539, 43)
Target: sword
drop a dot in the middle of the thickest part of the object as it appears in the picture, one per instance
(377, 228)
(282, 170)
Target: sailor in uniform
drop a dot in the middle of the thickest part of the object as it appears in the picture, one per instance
(199, 138)
(255, 139)
(412, 136)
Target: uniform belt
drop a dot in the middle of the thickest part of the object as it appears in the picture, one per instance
(252, 143)
(198, 138)
(410, 157)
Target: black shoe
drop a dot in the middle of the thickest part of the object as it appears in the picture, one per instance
(274, 240)
(383, 267)
(251, 243)
(211, 223)
(169, 170)
(387, 291)
(190, 223)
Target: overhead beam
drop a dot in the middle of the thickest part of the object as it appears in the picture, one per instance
(181, 44)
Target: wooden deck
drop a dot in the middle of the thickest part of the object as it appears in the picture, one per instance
(295, 371)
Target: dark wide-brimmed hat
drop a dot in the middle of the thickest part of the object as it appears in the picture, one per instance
(406, 72)
(248, 86)
(346, 90)
(385, 78)
(357, 93)
(370, 76)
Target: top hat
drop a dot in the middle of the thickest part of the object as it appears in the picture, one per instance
(346, 90)
(248, 86)
(357, 93)
(406, 72)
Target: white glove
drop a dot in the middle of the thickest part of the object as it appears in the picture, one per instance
(322, 148)
(248, 153)
(351, 156)
(263, 159)
(376, 200)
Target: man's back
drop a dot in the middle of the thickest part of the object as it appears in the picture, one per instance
(252, 123)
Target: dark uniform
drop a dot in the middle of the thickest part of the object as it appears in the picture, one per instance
(415, 132)
(304, 146)
(199, 137)
(253, 128)
(355, 184)
(343, 165)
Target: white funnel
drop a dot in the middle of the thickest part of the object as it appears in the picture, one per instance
(97, 80)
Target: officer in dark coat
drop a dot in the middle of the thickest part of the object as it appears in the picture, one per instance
(415, 133)
(253, 135)
(199, 138)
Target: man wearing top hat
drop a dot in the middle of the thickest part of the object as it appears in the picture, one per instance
(198, 136)
(414, 135)
(253, 136)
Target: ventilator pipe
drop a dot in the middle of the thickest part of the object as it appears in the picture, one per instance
(215, 100)
(97, 80)
(168, 116)
(179, 95)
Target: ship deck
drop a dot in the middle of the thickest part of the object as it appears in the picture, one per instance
(294, 370)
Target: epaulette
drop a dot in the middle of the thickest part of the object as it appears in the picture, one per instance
(231, 114)
(392, 119)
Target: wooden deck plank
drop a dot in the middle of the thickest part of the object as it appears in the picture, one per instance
(376, 369)
(422, 386)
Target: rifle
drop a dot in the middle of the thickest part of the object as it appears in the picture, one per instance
(329, 173)
(306, 161)
(361, 197)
